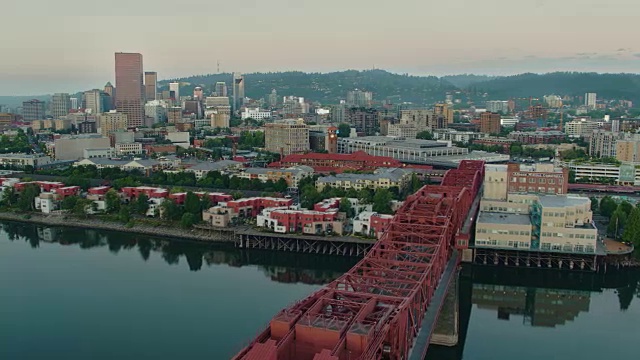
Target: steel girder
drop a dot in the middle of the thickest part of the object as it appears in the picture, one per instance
(376, 308)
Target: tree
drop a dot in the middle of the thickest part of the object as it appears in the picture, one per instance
(366, 195)
(594, 203)
(192, 203)
(626, 207)
(112, 201)
(424, 135)
(345, 207)
(607, 206)
(415, 184)
(124, 215)
(26, 200)
(309, 196)
(617, 222)
(344, 130)
(632, 229)
(187, 220)
(170, 210)
(142, 204)
(9, 197)
(382, 201)
(80, 207)
(281, 185)
(69, 202)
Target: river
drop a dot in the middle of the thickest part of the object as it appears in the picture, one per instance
(83, 294)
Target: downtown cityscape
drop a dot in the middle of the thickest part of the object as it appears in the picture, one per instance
(177, 207)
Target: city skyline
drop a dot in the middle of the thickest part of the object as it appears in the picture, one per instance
(492, 37)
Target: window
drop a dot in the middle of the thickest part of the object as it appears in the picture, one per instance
(556, 247)
(523, 180)
(579, 248)
(552, 181)
(542, 181)
(532, 181)
(545, 246)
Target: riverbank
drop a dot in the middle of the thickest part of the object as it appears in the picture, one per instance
(162, 231)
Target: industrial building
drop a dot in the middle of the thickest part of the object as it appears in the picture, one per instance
(405, 150)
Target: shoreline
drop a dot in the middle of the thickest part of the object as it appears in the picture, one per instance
(162, 231)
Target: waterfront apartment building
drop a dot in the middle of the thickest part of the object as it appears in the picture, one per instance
(490, 123)
(60, 104)
(130, 87)
(287, 137)
(111, 122)
(151, 85)
(33, 110)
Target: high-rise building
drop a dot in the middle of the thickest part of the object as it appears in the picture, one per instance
(198, 93)
(238, 91)
(175, 88)
(294, 105)
(359, 98)
(130, 87)
(112, 121)
(151, 85)
(221, 88)
(490, 123)
(553, 101)
(74, 103)
(364, 120)
(422, 119)
(287, 137)
(273, 98)
(111, 91)
(96, 101)
(174, 114)
(157, 110)
(497, 106)
(60, 104)
(220, 116)
(590, 100)
(602, 143)
(445, 111)
(33, 110)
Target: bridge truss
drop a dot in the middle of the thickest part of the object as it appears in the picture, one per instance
(375, 310)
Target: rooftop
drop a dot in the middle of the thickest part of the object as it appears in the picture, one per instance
(501, 218)
(213, 166)
(558, 201)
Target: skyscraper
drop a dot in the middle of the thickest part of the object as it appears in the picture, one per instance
(221, 88)
(129, 84)
(74, 103)
(238, 91)
(96, 101)
(590, 100)
(33, 110)
(273, 98)
(175, 87)
(151, 85)
(359, 98)
(60, 104)
(490, 123)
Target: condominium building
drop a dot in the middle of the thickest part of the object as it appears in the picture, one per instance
(402, 130)
(590, 100)
(537, 137)
(458, 136)
(33, 110)
(445, 111)
(60, 104)
(363, 119)
(359, 98)
(220, 116)
(291, 175)
(580, 128)
(603, 143)
(287, 137)
(496, 106)
(111, 122)
(157, 110)
(423, 119)
(490, 123)
(21, 160)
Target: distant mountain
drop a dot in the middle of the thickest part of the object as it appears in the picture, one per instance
(329, 88)
(607, 86)
(15, 101)
(464, 80)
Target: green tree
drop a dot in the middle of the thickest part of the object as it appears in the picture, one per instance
(281, 185)
(382, 201)
(366, 195)
(594, 203)
(187, 220)
(169, 210)
(632, 229)
(344, 130)
(26, 200)
(69, 202)
(192, 203)
(607, 206)
(617, 222)
(236, 195)
(80, 207)
(112, 201)
(309, 196)
(124, 214)
(425, 135)
(345, 207)
(9, 197)
(626, 207)
(142, 204)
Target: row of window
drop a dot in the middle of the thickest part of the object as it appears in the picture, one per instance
(504, 243)
(533, 180)
(503, 232)
(570, 236)
(568, 248)
(550, 190)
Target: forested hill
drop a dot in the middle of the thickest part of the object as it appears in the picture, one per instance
(606, 86)
(329, 88)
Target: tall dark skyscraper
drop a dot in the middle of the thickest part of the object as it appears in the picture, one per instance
(130, 87)
(151, 85)
(238, 91)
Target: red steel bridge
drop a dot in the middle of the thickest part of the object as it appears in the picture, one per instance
(379, 309)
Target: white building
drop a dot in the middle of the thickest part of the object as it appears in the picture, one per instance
(509, 121)
(180, 138)
(457, 136)
(156, 109)
(590, 100)
(255, 114)
(71, 147)
(175, 87)
(129, 148)
(22, 160)
(580, 127)
(99, 153)
(497, 106)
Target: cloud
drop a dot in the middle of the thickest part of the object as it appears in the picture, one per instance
(637, 55)
(623, 50)
(586, 54)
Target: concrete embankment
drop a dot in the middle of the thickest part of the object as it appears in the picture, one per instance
(163, 231)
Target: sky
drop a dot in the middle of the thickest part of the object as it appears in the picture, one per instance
(68, 45)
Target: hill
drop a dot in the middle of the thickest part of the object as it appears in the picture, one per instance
(15, 101)
(464, 80)
(329, 88)
(607, 86)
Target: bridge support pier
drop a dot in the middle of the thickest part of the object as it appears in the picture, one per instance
(446, 332)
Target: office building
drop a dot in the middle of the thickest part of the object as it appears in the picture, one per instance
(323, 138)
(112, 121)
(490, 123)
(213, 101)
(220, 116)
(111, 91)
(221, 89)
(423, 119)
(33, 110)
(134, 148)
(497, 106)
(6, 120)
(603, 143)
(96, 101)
(157, 110)
(537, 137)
(443, 110)
(287, 137)
(74, 103)
(60, 104)
(198, 93)
(255, 114)
(87, 127)
(501, 180)
(359, 98)
(273, 99)
(457, 136)
(238, 92)
(174, 114)
(402, 130)
(174, 89)
(71, 147)
(294, 105)
(590, 100)
(364, 120)
(580, 127)
(409, 150)
(151, 85)
(130, 87)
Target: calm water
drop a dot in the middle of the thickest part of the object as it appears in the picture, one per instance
(76, 294)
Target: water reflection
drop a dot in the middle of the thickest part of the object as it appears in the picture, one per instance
(280, 267)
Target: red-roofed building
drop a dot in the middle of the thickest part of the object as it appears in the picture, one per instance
(100, 190)
(320, 162)
(152, 192)
(251, 207)
(68, 191)
(300, 221)
(327, 204)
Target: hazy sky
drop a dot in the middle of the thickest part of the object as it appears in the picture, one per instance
(68, 45)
